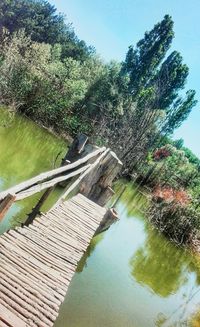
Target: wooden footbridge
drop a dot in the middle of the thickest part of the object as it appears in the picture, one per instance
(37, 262)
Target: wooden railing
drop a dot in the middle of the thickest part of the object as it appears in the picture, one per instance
(95, 172)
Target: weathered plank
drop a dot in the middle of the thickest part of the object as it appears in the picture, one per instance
(49, 174)
(42, 186)
(7, 318)
(38, 262)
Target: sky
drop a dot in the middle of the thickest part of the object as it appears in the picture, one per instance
(112, 25)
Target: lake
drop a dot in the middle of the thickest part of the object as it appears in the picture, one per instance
(131, 276)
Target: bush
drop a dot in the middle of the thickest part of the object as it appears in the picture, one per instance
(179, 223)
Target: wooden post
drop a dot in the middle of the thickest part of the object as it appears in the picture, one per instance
(6, 204)
(76, 149)
(97, 185)
(36, 210)
(79, 148)
(105, 195)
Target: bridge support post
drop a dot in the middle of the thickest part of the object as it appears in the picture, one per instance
(76, 149)
(5, 204)
(98, 185)
(36, 210)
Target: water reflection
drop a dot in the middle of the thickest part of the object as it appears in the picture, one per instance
(83, 262)
(194, 321)
(132, 198)
(159, 266)
(26, 150)
(132, 276)
(180, 311)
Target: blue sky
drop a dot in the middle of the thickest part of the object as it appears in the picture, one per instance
(112, 25)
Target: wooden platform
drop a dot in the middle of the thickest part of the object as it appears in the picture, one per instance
(37, 262)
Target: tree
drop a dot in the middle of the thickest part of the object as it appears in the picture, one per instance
(107, 97)
(141, 63)
(155, 84)
(37, 82)
(38, 18)
(49, 74)
(178, 144)
(170, 79)
(179, 111)
(41, 22)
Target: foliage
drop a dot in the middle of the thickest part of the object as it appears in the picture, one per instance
(171, 167)
(41, 22)
(52, 76)
(174, 207)
(141, 63)
(161, 153)
(180, 223)
(35, 81)
(168, 194)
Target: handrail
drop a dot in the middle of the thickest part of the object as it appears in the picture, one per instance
(40, 187)
(76, 183)
(52, 173)
(94, 180)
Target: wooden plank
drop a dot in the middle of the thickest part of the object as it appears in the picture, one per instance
(34, 291)
(15, 293)
(44, 282)
(36, 286)
(10, 319)
(3, 324)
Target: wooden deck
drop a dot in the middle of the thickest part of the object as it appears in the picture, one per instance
(37, 262)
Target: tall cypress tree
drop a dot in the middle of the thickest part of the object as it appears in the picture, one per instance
(170, 79)
(142, 61)
(179, 111)
(155, 83)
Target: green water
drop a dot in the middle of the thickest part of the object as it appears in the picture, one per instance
(25, 151)
(131, 276)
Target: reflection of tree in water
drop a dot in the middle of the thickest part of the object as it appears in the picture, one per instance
(194, 265)
(164, 268)
(83, 262)
(132, 198)
(26, 149)
(159, 265)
